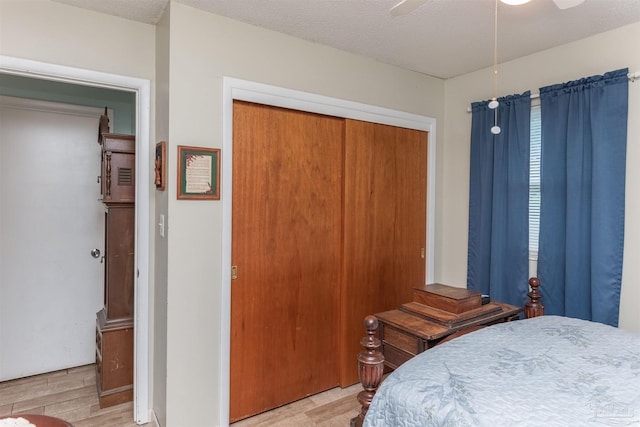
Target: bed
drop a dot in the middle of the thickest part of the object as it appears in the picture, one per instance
(542, 371)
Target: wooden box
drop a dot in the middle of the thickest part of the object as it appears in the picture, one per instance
(447, 298)
(451, 320)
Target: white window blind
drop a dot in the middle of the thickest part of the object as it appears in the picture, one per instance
(534, 181)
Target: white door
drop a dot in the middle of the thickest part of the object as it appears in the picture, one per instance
(50, 220)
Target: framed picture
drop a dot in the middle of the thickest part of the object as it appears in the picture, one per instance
(160, 165)
(198, 173)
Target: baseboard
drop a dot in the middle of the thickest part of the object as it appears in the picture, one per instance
(153, 419)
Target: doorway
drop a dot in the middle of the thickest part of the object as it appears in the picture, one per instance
(142, 90)
(49, 220)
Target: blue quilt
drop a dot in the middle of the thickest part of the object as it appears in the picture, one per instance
(545, 371)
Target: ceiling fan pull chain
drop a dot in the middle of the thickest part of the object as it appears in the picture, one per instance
(494, 102)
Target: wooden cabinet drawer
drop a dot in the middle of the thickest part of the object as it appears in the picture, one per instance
(402, 340)
(394, 357)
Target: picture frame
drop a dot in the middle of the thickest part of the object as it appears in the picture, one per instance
(198, 173)
(160, 167)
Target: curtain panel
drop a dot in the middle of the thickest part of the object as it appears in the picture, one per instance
(584, 137)
(499, 200)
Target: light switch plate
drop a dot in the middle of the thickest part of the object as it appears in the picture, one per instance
(161, 225)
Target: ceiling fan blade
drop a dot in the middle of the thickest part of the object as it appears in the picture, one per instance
(566, 4)
(406, 6)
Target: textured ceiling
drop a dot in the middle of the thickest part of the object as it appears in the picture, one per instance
(442, 38)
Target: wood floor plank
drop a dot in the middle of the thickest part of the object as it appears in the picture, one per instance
(338, 409)
(27, 393)
(73, 375)
(69, 394)
(109, 419)
(22, 382)
(55, 396)
(122, 408)
(80, 404)
(335, 394)
(6, 409)
(34, 411)
(72, 415)
(333, 407)
(21, 391)
(84, 368)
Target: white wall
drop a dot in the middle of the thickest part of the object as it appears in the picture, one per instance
(160, 303)
(53, 33)
(45, 31)
(595, 55)
(204, 48)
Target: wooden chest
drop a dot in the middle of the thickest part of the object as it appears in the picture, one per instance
(437, 312)
(447, 298)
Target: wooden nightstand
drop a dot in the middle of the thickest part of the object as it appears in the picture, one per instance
(416, 326)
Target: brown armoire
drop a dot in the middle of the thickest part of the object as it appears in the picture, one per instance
(114, 324)
(329, 225)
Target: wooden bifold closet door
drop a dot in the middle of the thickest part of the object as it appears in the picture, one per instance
(325, 213)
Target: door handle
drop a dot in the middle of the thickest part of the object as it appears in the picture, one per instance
(95, 253)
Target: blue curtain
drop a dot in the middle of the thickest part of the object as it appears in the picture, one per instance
(584, 139)
(499, 200)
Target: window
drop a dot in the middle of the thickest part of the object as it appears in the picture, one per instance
(534, 181)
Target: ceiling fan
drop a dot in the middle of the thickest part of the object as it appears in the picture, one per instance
(407, 6)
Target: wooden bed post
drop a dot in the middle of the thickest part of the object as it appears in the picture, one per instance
(534, 308)
(370, 368)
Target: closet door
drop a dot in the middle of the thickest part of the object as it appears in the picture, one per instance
(286, 244)
(385, 188)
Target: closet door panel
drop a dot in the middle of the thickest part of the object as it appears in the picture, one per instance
(286, 244)
(384, 227)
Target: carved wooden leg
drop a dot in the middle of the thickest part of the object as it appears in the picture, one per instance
(370, 368)
(534, 308)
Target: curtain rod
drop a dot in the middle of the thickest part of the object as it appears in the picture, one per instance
(631, 76)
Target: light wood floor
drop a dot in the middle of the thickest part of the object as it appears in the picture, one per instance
(71, 394)
(332, 408)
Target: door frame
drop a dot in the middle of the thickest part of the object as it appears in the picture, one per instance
(243, 90)
(142, 89)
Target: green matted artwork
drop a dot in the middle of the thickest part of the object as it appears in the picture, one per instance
(198, 173)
